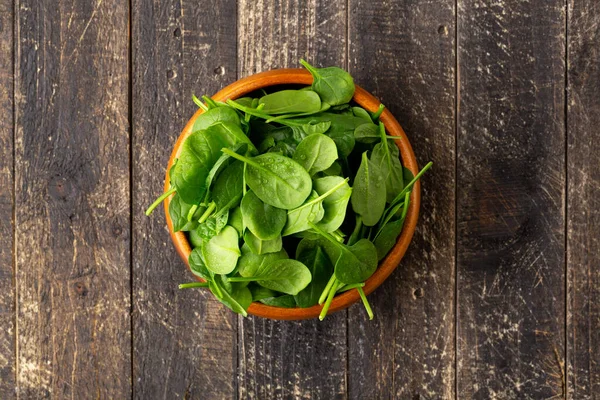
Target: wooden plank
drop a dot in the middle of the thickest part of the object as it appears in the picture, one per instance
(511, 186)
(7, 300)
(404, 53)
(72, 199)
(184, 343)
(583, 234)
(304, 359)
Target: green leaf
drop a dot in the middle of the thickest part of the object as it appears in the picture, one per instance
(298, 221)
(238, 298)
(221, 252)
(263, 220)
(236, 220)
(334, 205)
(229, 186)
(283, 275)
(369, 192)
(291, 101)
(320, 268)
(276, 180)
(197, 265)
(262, 246)
(214, 115)
(250, 262)
(285, 301)
(178, 211)
(334, 85)
(388, 237)
(260, 293)
(316, 153)
(386, 156)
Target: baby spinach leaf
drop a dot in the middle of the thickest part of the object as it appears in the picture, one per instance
(238, 298)
(259, 292)
(334, 205)
(386, 156)
(334, 85)
(334, 170)
(212, 226)
(262, 246)
(316, 153)
(291, 101)
(195, 239)
(263, 220)
(285, 301)
(276, 180)
(178, 211)
(366, 133)
(362, 113)
(236, 220)
(222, 251)
(388, 237)
(229, 186)
(283, 275)
(214, 115)
(320, 268)
(316, 127)
(368, 193)
(298, 219)
(250, 262)
(197, 265)
(198, 154)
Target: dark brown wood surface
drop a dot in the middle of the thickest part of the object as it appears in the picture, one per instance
(583, 200)
(497, 297)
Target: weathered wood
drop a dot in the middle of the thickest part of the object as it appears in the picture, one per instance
(7, 301)
(184, 342)
(511, 186)
(404, 54)
(305, 359)
(72, 199)
(583, 171)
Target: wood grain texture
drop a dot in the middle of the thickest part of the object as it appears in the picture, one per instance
(403, 52)
(7, 301)
(583, 171)
(511, 182)
(72, 199)
(304, 359)
(184, 341)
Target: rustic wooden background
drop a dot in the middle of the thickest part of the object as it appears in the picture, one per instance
(498, 296)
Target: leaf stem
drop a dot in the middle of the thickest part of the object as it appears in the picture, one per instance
(160, 200)
(345, 288)
(327, 304)
(241, 158)
(321, 197)
(326, 235)
(375, 116)
(356, 232)
(365, 302)
(411, 183)
(327, 289)
(209, 210)
(193, 285)
(309, 68)
(191, 213)
(199, 103)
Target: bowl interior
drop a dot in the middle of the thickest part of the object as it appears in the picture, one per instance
(368, 102)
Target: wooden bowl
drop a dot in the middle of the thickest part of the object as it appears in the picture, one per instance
(365, 100)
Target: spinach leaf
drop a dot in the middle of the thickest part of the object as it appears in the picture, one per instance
(335, 204)
(229, 186)
(298, 219)
(320, 268)
(334, 85)
(197, 265)
(262, 246)
(368, 193)
(283, 275)
(316, 153)
(179, 210)
(291, 101)
(259, 292)
(212, 226)
(366, 133)
(386, 156)
(236, 220)
(214, 115)
(316, 127)
(388, 237)
(195, 239)
(362, 113)
(285, 301)
(198, 154)
(276, 180)
(222, 251)
(250, 262)
(238, 298)
(263, 220)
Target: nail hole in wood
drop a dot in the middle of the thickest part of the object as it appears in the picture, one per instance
(81, 289)
(177, 32)
(170, 74)
(220, 70)
(443, 30)
(418, 293)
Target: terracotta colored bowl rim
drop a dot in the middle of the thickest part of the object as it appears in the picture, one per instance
(365, 100)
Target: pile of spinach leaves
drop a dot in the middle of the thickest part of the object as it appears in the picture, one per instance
(289, 197)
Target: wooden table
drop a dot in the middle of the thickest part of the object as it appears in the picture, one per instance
(497, 298)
